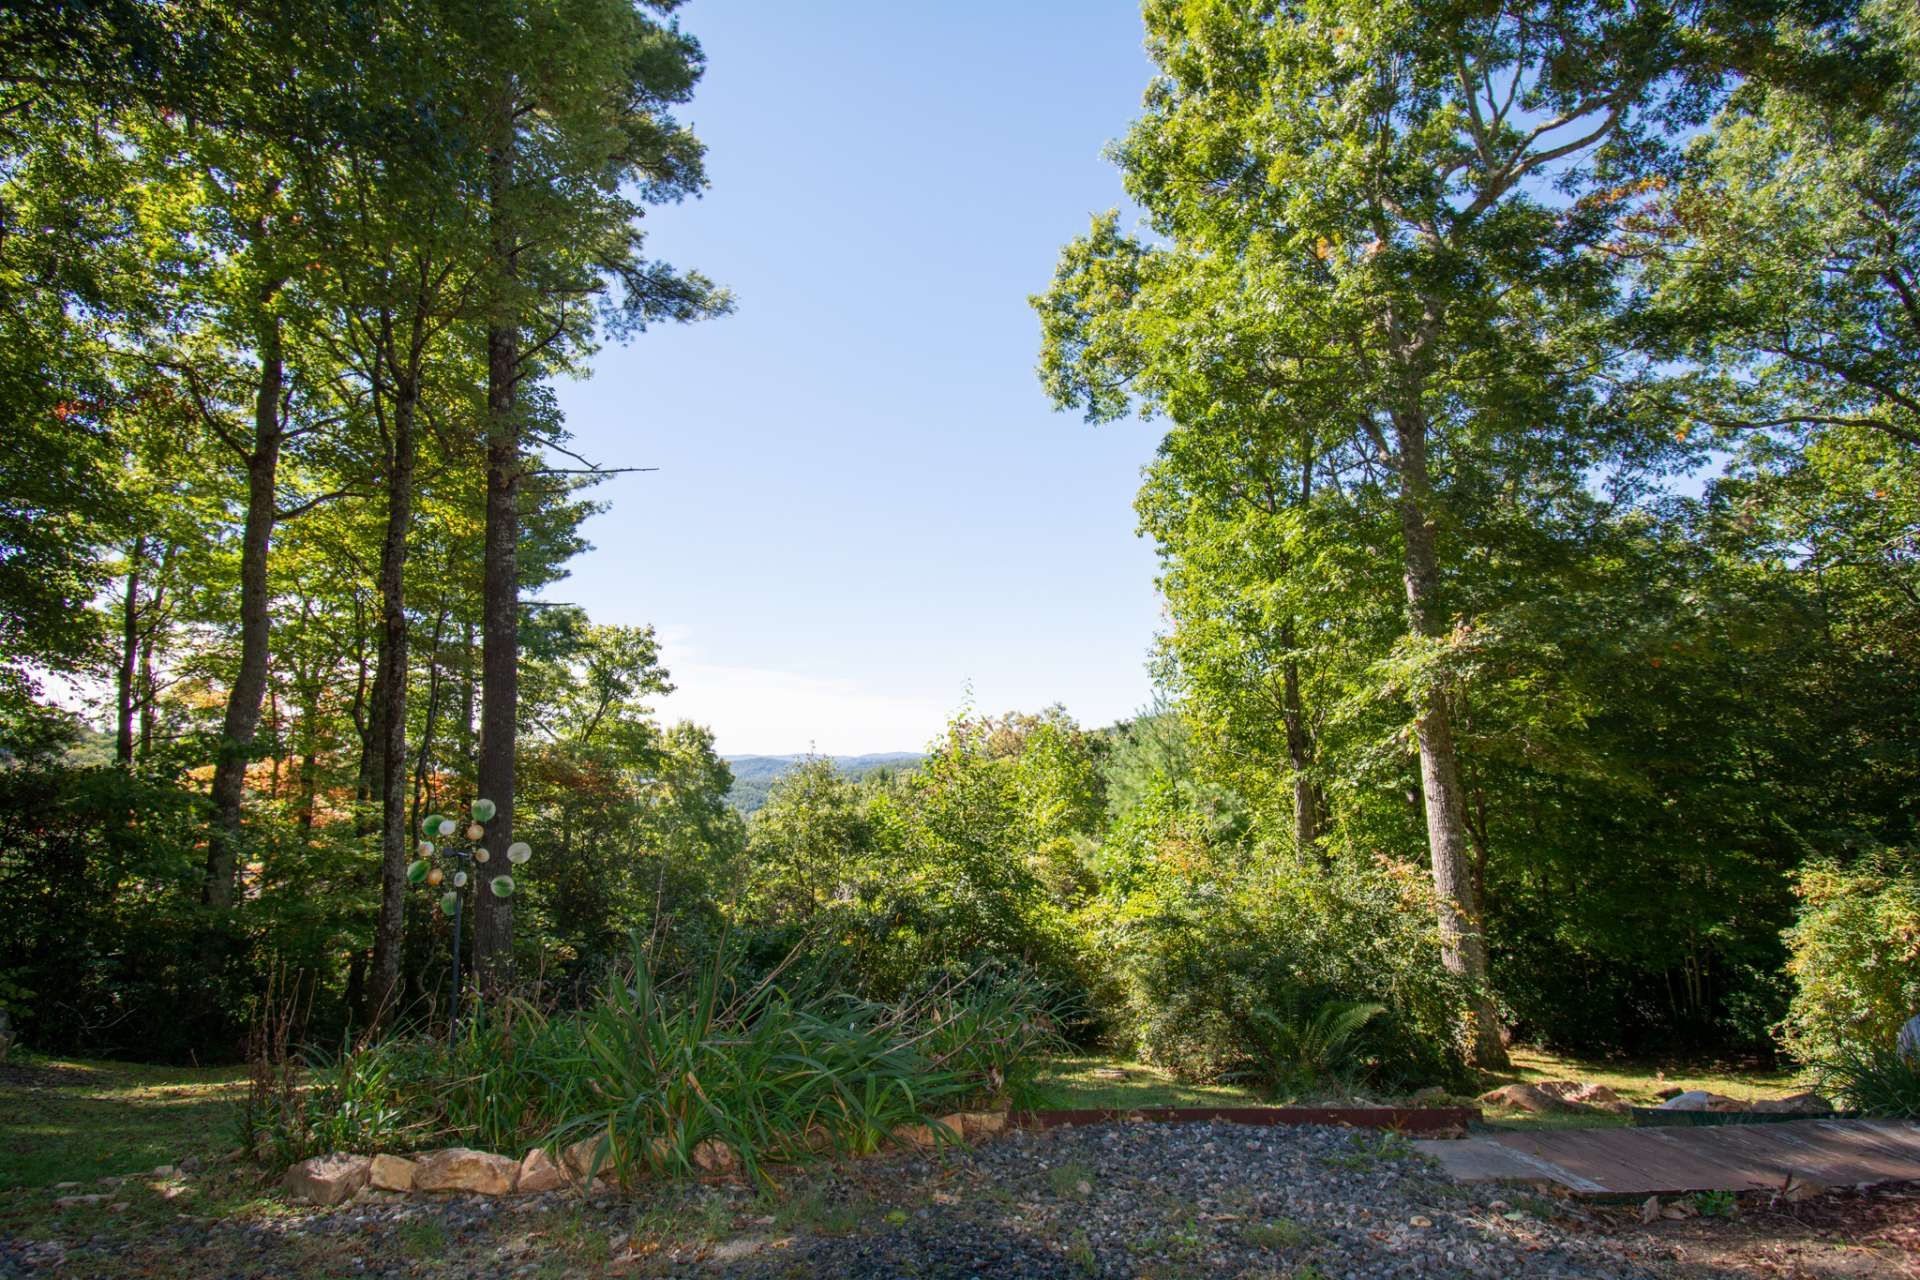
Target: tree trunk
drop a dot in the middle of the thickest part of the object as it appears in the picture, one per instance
(499, 656)
(388, 739)
(1306, 796)
(500, 574)
(1463, 942)
(242, 718)
(129, 669)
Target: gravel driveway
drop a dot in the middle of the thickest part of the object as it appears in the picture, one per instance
(1133, 1200)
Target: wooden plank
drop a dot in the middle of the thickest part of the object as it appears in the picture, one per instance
(1673, 1161)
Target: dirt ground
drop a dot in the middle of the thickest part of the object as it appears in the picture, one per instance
(1869, 1234)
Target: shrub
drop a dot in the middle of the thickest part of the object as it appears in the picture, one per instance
(1229, 964)
(1875, 1078)
(1855, 956)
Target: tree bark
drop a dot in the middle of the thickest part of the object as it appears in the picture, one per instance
(242, 719)
(499, 656)
(1463, 941)
(129, 669)
(500, 574)
(388, 739)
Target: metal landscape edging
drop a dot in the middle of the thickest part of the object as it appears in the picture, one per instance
(1421, 1121)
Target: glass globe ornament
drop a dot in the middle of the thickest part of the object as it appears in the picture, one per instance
(459, 879)
(502, 886)
(449, 902)
(426, 848)
(417, 871)
(430, 825)
(475, 831)
(483, 811)
(518, 852)
(481, 855)
(435, 876)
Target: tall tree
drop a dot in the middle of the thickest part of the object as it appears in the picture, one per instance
(581, 136)
(1392, 166)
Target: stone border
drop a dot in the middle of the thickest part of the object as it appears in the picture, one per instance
(341, 1176)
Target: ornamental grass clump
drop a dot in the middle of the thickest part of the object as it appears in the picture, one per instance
(772, 1075)
(658, 1076)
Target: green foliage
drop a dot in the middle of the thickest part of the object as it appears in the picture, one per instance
(1297, 1051)
(1855, 959)
(650, 1069)
(1874, 1077)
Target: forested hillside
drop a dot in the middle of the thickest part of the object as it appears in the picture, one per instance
(754, 776)
(1536, 499)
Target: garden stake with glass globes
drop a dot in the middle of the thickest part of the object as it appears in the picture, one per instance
(423, 871)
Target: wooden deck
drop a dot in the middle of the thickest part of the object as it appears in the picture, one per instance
(1831, 1153)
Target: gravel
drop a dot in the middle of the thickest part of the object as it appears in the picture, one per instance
(1109, 1200)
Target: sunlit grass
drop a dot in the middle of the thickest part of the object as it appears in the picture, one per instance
(68, 1120)
(1638, 1082)
(1086, 1082)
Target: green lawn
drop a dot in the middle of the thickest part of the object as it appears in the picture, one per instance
(66, 1120)
(1090, 1081)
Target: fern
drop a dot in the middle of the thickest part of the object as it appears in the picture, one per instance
(1302, 1052)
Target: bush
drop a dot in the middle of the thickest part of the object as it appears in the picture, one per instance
(658, 1068)
(1235, 964)
(1876, 1078)
(1854, 957)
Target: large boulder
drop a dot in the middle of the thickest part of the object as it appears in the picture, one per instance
(462, 1169)
(328, 1179)
(1578, 1094)
(1525, 1097)
(1701, 1100)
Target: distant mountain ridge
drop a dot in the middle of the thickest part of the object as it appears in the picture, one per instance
(754, 776)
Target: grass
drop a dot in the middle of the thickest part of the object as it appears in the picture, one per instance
(71, 1120)
(1637, 1082)
(1089, 1081)
(1086, 1081)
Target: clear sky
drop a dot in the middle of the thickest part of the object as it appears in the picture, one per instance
(865, 506)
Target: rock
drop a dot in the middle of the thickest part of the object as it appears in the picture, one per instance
(163, 1171)
(1584, 1095)
(391, 1173)
(327, 1179)
(1679, 1209)
(580, 1157)
(914, 1135)
(1650, 1209)
(715, 1156)
(1669, 1091)
(538, 1173)
(65, 1186)
(1432, 1093)
(79, 1202)
(953, 1126)
(1701, 1100)
(1420, 1220)
(463, 1169)
(982, 1124)
(1799, 1104)
(1525, 1097)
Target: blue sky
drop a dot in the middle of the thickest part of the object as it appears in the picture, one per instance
(865, 505)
